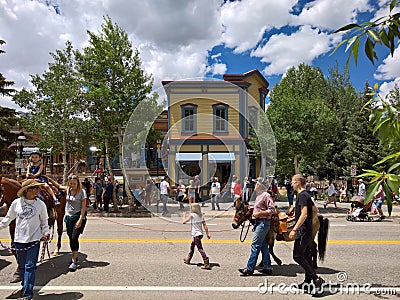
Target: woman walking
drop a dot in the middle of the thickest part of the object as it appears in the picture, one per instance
(31, 218)
(75, 216)
(305, 211)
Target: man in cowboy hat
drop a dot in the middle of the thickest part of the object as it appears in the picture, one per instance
(31, 226)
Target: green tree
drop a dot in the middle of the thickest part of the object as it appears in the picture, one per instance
(300, 116)
(54, 105)
(383, 31)
(112, 72)
(362, 148)
(5, 84)
(8, 119)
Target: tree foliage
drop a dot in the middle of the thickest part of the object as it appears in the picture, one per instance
(8, 119)
(54, 105)
(300, 116)
(5, 84)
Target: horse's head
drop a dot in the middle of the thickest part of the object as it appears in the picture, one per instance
(242, 212)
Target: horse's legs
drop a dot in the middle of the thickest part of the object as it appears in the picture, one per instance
(60, 223)
(314, 254)
(271, 242)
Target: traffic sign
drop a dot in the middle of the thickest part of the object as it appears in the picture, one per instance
(353, 170)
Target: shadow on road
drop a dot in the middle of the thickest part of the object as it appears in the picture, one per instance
(291, 270)
(54, 268)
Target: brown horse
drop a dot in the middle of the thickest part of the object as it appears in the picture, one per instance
(320, 224)
(8, 193)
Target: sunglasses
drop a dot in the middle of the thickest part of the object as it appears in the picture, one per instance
(73, 177)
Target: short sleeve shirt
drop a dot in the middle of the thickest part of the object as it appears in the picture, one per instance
(164, 187)
(215, 186)
(196, 224)
(304, 199)
(75, 202)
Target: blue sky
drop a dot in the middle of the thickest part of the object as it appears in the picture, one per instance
(181, 39)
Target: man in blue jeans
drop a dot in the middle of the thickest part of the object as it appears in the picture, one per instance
(263, 210)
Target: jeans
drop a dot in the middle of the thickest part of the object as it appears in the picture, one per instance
(259, 243)
(290, 199)
(106, 203)
(214, 200)
(27, 260)
(164, 199)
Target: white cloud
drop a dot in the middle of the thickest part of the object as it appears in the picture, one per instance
(331, 15)
(386, 87)
(282, 51)
(246, 21)
(175, 37)
(389, 68)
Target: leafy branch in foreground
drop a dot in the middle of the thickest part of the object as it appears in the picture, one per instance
(383, 31)
(385, 119)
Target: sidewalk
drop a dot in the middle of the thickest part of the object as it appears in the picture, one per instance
(227, 210)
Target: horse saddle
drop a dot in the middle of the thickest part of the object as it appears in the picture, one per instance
(286, 224)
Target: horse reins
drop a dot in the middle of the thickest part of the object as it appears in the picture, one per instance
(241, 232)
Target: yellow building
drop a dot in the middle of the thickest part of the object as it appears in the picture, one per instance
(208, 126)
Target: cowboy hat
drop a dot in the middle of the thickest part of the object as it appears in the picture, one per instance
(28, 184)
(262, 181)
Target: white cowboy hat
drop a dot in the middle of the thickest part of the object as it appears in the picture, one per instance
(360, 180)
(28, 184)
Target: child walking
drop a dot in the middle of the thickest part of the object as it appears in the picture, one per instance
(197, 223)
(35, 170)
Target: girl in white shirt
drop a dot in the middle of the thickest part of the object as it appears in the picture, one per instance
(197, 223)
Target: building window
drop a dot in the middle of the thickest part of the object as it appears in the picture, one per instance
(220, 112)
(253, 117)
(189, 112)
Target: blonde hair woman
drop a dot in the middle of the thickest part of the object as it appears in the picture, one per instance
(191, 191)
(305, 210)
(75, 216)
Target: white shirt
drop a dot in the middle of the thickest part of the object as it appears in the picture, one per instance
(215, 186)
(197, 224)
(31, 219)
(164, 187)
(361, 190)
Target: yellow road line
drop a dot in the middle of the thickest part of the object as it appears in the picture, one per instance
(236, 241)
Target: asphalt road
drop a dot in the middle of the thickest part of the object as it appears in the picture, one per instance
(141, 258)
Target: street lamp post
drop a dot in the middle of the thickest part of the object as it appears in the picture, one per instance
(20, 143)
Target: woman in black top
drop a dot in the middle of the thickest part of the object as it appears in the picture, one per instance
(305, 210)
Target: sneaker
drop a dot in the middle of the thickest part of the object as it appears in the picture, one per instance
(318, 284)
(186, 261)
(72, 267)
(206, 267)
(246, 272)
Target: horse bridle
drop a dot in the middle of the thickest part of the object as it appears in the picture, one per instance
(244, 210)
